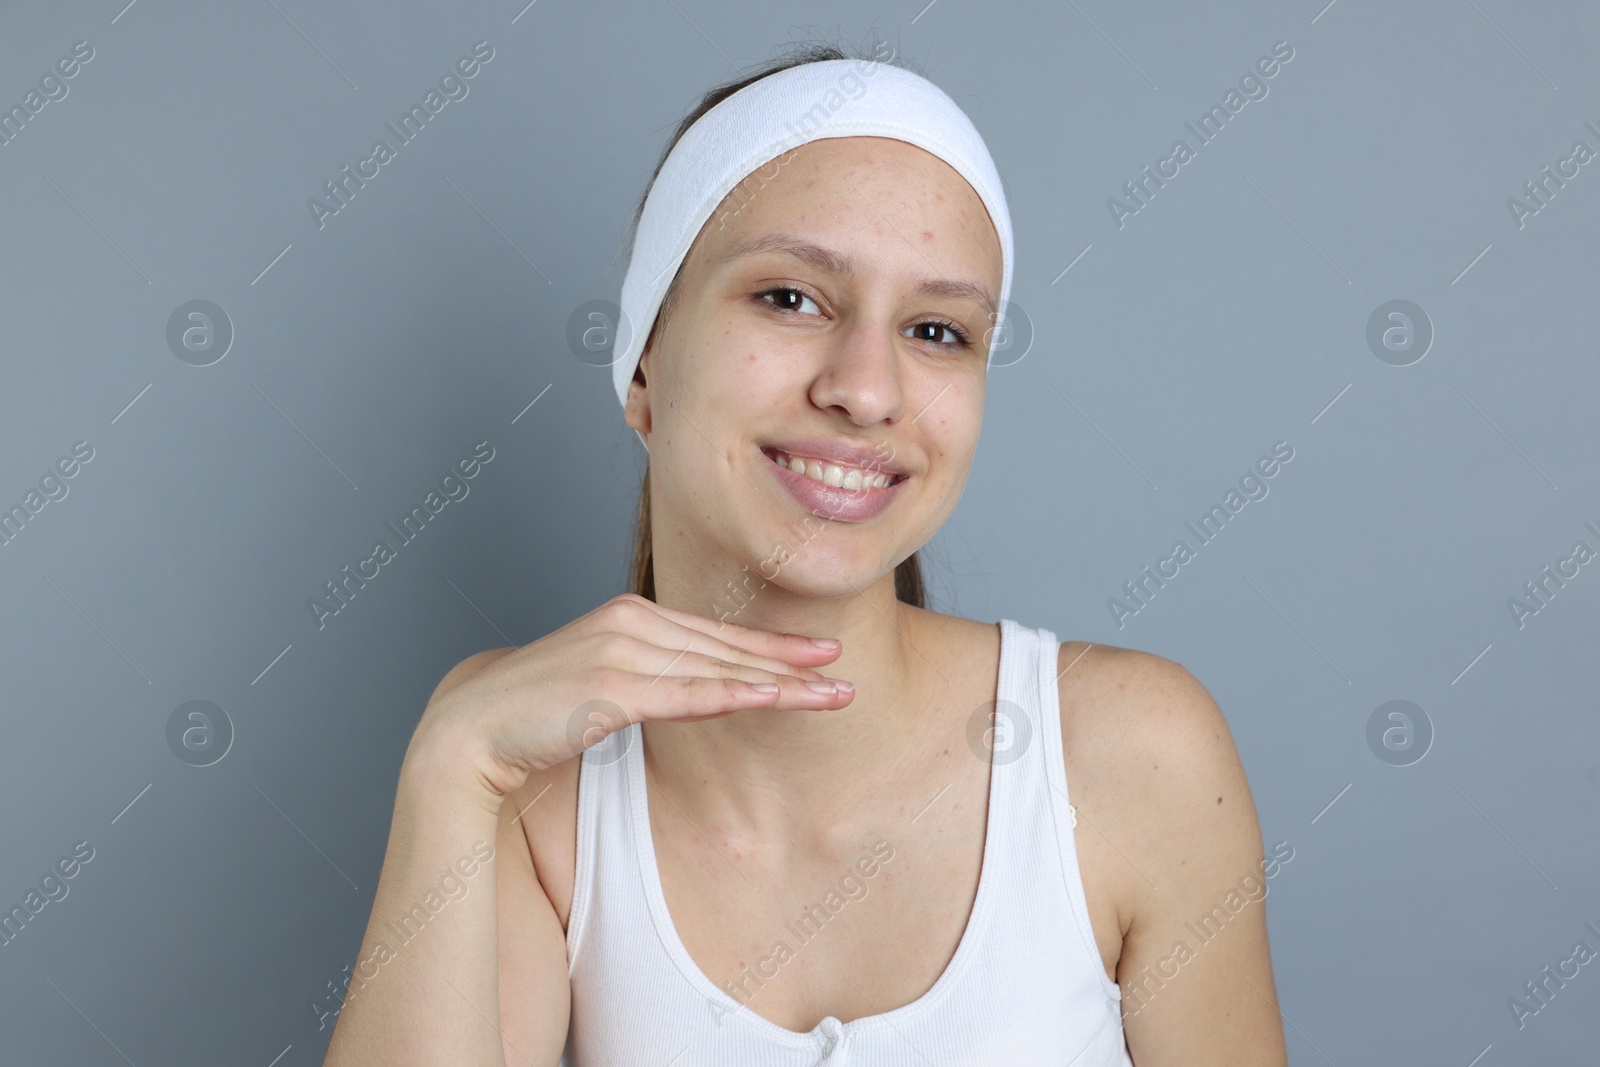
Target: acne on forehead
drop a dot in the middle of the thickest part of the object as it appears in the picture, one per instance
(811, 167)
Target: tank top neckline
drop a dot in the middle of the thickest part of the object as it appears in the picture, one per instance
(830, 1028)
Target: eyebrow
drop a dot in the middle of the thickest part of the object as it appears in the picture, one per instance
(834, 263)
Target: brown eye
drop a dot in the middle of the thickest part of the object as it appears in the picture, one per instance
(933, 328)
(791, 300)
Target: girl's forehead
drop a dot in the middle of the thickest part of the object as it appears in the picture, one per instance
(842, 157)
(851, 184)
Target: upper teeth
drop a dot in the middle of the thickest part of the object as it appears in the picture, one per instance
(832, 473)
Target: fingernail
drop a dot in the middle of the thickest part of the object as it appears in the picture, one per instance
(823, 687)
(825, 642)
(845, 687)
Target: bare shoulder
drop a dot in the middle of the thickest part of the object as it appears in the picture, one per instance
(1174, 852)
(470, 666)
(546, 805)
(1150, 753)
(1128, 704)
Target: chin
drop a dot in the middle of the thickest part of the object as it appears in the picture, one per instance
(813, 569)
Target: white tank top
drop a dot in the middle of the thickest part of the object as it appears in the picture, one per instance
(1025, 985)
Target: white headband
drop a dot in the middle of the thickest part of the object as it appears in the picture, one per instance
(831, 98)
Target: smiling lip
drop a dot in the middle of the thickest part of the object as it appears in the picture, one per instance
(835, 502)
(844, 453)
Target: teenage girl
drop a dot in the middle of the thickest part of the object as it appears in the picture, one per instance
(768, 808)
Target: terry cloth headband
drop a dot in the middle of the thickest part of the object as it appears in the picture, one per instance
(830, 98)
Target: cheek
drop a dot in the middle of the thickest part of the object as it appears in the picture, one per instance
(761, 376)
(954, 420)
(955, 464)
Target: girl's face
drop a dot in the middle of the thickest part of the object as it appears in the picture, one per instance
(834, 311)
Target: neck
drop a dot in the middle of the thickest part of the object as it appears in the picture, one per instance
(750, 772)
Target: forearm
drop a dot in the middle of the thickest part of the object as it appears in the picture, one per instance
(424, 989)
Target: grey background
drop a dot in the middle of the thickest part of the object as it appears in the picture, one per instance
(1228, 314)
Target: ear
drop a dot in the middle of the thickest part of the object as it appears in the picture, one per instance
(637, 410)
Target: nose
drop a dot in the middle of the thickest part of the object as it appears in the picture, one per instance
(861, 374)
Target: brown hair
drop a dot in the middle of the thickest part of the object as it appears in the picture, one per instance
(908, 584)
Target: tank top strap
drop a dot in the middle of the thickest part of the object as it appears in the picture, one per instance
(1016, 710)
(603, 814)
(1055, 797)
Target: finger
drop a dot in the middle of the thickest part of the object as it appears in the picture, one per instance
(692, 664)
(796, 649)
(688, 698)
(713, 659)
(652, 626)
